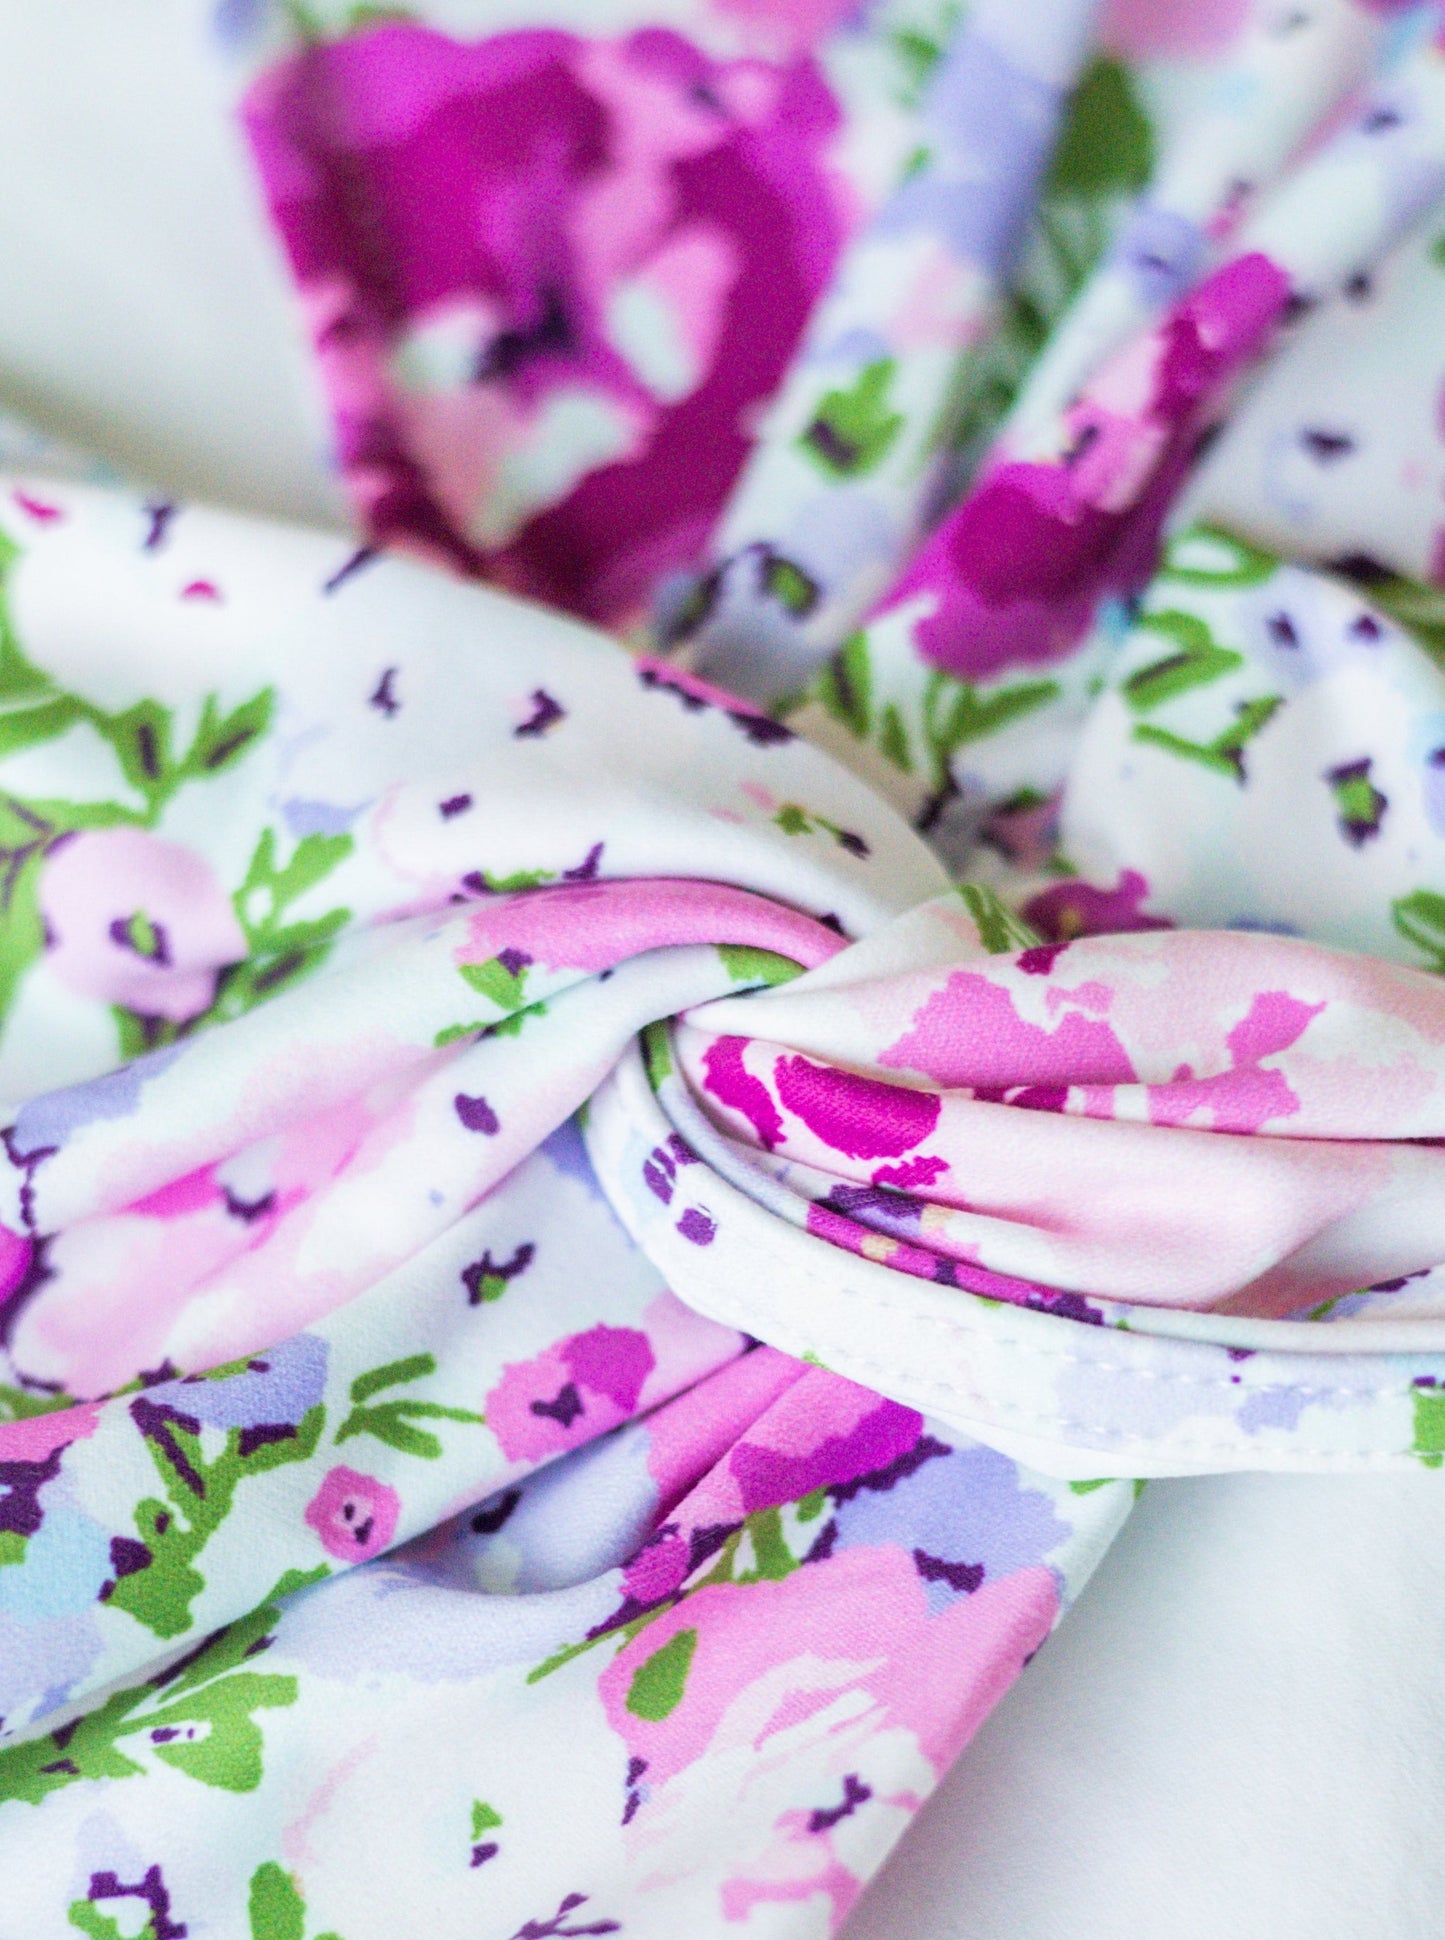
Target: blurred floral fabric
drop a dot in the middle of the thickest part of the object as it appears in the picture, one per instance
(637, 1100)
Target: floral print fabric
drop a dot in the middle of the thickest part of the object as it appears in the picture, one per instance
(569, 1283)
(371, 1323)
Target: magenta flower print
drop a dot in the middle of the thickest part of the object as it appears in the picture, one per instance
(1012, 577)
(354, 1515)
(16, 1256)
(554, 387)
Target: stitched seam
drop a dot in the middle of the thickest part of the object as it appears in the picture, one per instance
(1114, 1437)
(1110, 1364)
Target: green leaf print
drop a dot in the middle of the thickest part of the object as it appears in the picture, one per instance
(276, 1909)
(199, 1496)
(1066, 240)
(1430, 1426)
(493, 980)
(1198, 659)
(772, 1559)
(485, 1818)
(519, 879)
(274, 1906)
(787, 583)
(893, 738)
(504, 988)
(1420, 919)
(757, 968)
(1000, 931)
(951, 712)
(1359, 805)
(87, 1917)
(33, 708)
(1106, 144)
(845, 686)
(657, 1053)
(25, 840)
(855, 429)
(1135, 1483)
(1418, 608)
(393, 1422)
(197, 1716)
(375, 13)
(391, 1374)
(22, 1404)
(659, 1682)
(919, 48)
(268, 890)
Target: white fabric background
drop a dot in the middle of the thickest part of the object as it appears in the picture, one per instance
(1240, 1732)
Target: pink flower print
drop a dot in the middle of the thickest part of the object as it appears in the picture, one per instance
(137, 921)
(354, 1515)
(570, 1394)
(799, 24)
(1144, 30)
(839, 1683)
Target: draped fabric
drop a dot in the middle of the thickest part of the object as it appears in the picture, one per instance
(597, 1233)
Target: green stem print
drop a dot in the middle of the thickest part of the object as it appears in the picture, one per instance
(795, 820)
(761, 1539)
(157, 1579)
(504, 985)
(1206, 556)
(394, 1422)
(1197, 660)
(151, 766)
(1105, 154)
(1225, 753)
(954, 714)
(279, 950)
(1200, 558)
(197, 1716)
(950, 715)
